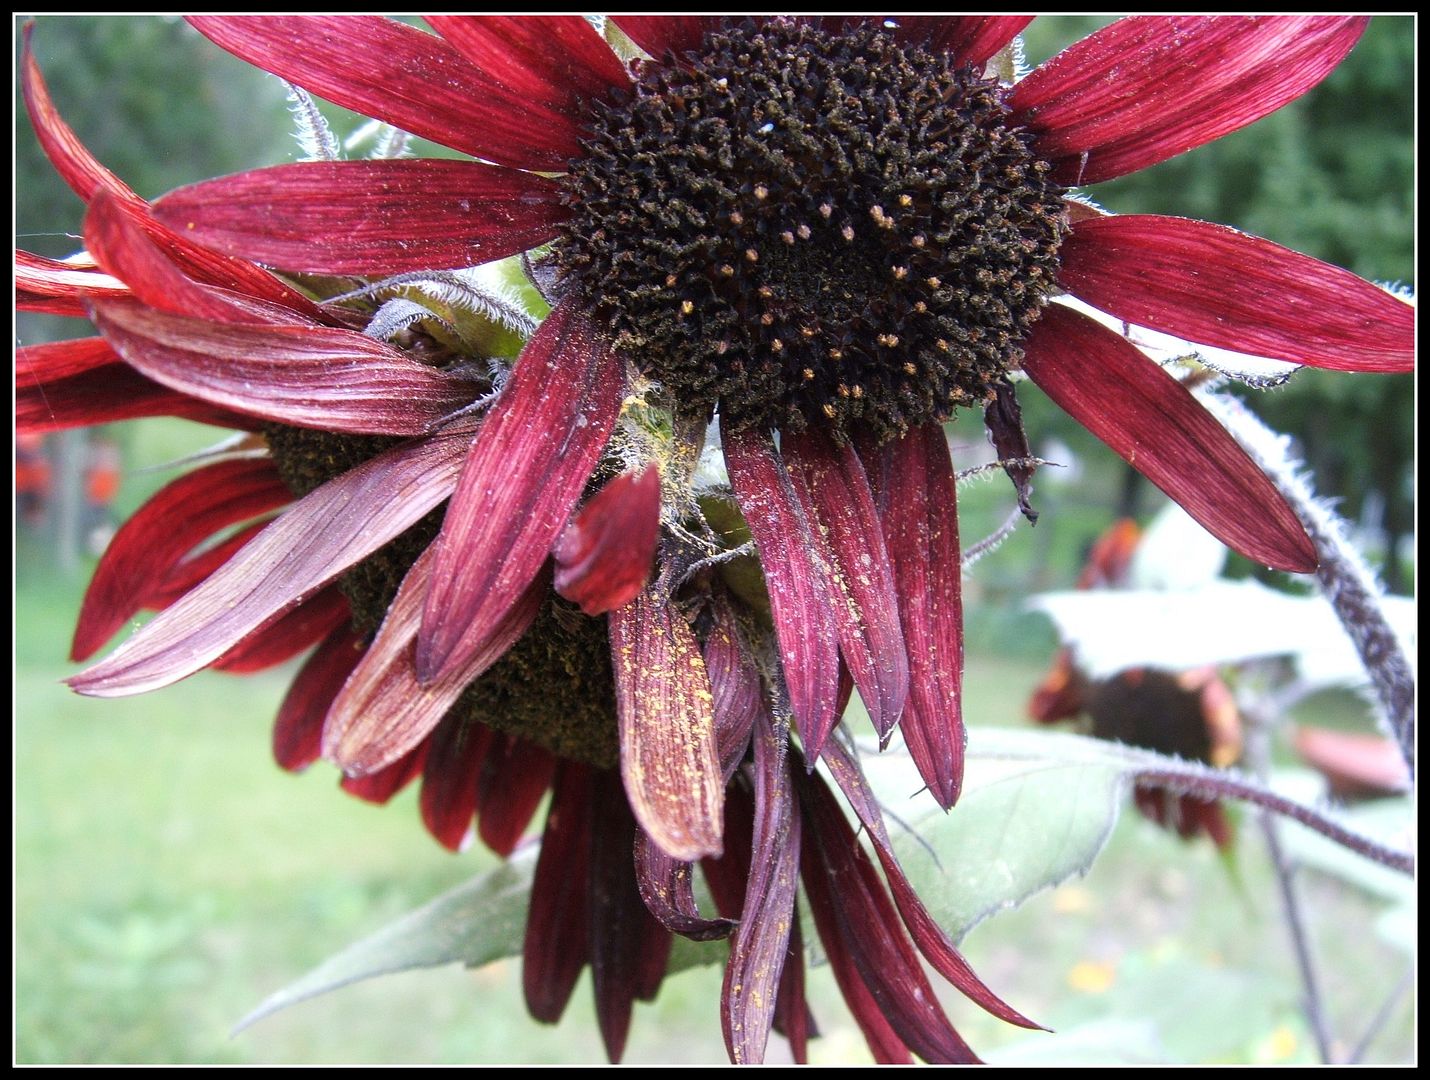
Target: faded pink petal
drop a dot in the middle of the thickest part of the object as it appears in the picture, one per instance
(761, 941)
(604, 557)
(150, 544)
(298, 730)
(383, 710)
(456, 750)
(288, 635)
(369, 217)
(1153, 422)
(319, 537)
(558, 59)
(791, 553)
(521, 479)
(914, 483)
(1148, 88)
(188, 572)
(672, 778)
(309, 376)
(410, 79)
(1217, 286)
(866, 607)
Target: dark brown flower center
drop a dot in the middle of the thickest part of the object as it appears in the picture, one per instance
(553, 687)
(814, 228)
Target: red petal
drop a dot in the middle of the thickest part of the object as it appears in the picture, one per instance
(557, 941)
(369, 217)
(782, 522)
(603, 559)
(927, 934)
(383, 711)
(667, 889)
(455, 754)
(513, 781)
(663, 34)
(147, 547)
(310, 376)
(851, 907)
(381, 786)
(969, 39)
(622, 930)
(761, 942)
(557, 59)
(412, 80)
(298, 730)
(737, 692)
(318, 538)
(521, 479)
(1146, 89)
(189, 572)
(106, 395)
(61, 359)
(918, 496)
(47, 277)
(792, 1016)
(288, 635)
(866, 608)
(1153, 422)
(1220, 287)
(672, 778)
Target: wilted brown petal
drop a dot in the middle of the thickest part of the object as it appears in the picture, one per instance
(319, 537)
(1149, 88)
(1217, 286)
(1004, 421)
(782, 521)
(1152, 421)
(737, 692)
(866, 609)
(383, 710)
(673, 780)
(521, 478)
(603, 559)
(667, 889)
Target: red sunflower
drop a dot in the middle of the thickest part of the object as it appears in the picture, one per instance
(830, 233)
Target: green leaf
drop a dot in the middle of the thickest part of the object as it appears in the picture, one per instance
(1019, 827)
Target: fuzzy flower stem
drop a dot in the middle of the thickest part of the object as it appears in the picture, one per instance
(1347, 583)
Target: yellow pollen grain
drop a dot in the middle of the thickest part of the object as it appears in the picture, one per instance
(808, 331)
(765, 291)
(843, 390)
(889, 340)
(761, 192)
(670, 280)
(767, 319)
(808, 374)
(942, 345)
(847, 232)
(836, 354)
(825, 210)
(777, 345)
(787, 237)
(803, 232)
(934, 283)
(909, 369)
(920, 307)
(906, 200)
(919, 241)
(900, 272)
(726, 270)
(858, 391)
(752, 255)
(686, 307)
(736, 218)
(829, 411)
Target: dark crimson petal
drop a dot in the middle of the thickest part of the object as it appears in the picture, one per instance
(382, 785)
(758, 949)
(61, 359)
(737, 692)
(927, 934)
(288, 635)
(1153, 422)
(652, 957)
(557, 942)
(115, 234)
(1148, 88)
(455, 753)
(309, 376)
(511, 785)
(667, 890)
(857, 912)
(603, 558)
(298, 730)
(106, 395)
(673, 780)
(1004, 421)
(48, 277)
(369, 217)
(315, 540)
(728, 874)
(383, 710)
(412, 80)
(149, 545)
(188, 572)
(26, 300)
(866, 608)
(662, 34)
(620, 923)
(918, 495)
(558, 59)
(793, 1019)
(521, 479)
(1217, 286)
(782, 520)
